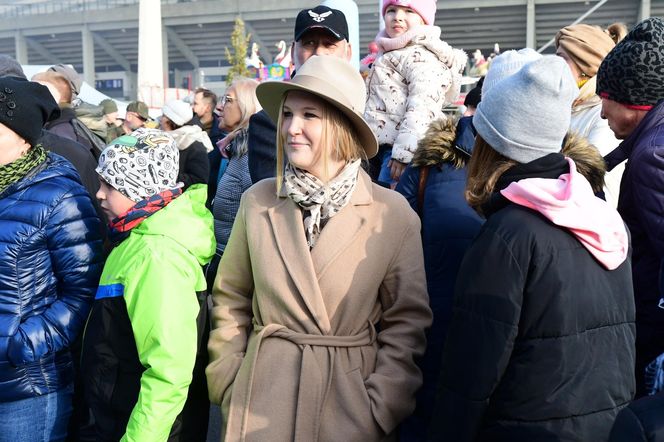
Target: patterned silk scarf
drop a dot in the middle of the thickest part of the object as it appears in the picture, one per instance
(120, 227)
(14, 171)
(320, 201)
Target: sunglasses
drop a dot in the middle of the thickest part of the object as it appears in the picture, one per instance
(137, 116)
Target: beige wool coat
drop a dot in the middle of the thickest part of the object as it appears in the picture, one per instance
(318, 346)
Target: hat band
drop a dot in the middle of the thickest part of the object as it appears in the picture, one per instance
(316, 86)
(640, 107)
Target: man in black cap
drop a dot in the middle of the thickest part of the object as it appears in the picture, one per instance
(630, 82)
(318, 31)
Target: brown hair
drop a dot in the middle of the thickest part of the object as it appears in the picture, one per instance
(208, 96)
(58, 81)
(167, 121)
(339, 138)
(484, 168)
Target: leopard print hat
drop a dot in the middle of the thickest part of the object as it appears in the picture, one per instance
(633, 72)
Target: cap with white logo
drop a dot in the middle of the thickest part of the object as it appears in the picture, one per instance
(321, 17)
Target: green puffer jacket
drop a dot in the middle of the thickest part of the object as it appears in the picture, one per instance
(144, 347)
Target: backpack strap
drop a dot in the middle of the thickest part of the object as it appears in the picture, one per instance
(424, 175)
(82, 131)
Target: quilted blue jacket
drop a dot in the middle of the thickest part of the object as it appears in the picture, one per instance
(50, 262)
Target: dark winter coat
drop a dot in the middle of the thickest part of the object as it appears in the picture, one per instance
(262, 148)
(194, 165)
(50, 262)
(448, 228)
(231, 186)
(641, 421)
(193, 144)
(541, 343)
(641, 205)
(68, 126)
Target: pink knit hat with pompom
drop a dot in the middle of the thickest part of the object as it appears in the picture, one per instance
(425, 8)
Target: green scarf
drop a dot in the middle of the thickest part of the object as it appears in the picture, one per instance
(17, 169)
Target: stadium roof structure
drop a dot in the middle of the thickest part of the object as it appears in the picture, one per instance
(196, 32)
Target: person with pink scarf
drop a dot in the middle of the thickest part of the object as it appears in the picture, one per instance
(541, 342)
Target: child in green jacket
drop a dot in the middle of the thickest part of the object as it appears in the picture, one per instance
(144, 347)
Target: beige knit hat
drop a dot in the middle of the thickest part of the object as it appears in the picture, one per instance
(585, 45)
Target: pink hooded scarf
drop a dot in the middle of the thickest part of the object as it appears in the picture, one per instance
(569, 202)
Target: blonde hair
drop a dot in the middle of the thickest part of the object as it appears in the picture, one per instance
(339, 138)
(245, 95)
(484, 168)
(58, 81)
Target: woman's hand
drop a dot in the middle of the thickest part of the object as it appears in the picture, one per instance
(396, 169)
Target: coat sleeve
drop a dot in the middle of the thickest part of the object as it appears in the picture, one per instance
(405, 317)
(262, 147)
(409, 185)
(480, 337)
(428, 81)
(73, 238)
(196, 170)
(627, 427)
(163, 307)
(231, 313)
(648, 191)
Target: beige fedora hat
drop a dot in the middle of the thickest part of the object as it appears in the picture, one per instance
(335, 81)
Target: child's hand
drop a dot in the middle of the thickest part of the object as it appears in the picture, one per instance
(396, 169)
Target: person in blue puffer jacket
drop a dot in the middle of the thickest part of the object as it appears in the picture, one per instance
(434, 185)
(50, 262)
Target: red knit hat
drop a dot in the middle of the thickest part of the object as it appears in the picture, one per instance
(425, 8)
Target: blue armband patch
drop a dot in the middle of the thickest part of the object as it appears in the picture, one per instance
(109, 291)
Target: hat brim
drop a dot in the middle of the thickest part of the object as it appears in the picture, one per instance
(270, 94)
(336, 35)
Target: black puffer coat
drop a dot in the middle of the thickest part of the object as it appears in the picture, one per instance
(541, 344)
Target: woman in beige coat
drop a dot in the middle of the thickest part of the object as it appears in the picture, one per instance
(320, 303)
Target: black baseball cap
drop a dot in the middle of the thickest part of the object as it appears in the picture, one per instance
(322, 17)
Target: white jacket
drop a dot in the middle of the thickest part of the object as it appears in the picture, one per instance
(185, 135)
(587, 121)
(408, 87)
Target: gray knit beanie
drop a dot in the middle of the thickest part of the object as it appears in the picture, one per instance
(9, 67)
(526, 115)
(506, 64)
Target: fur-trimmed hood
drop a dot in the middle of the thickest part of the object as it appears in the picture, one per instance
(438, 146)
(588, 160)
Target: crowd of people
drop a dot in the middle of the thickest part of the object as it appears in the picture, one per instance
(333, 257)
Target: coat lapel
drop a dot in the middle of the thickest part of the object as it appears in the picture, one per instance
(288, 227)
(343, 228)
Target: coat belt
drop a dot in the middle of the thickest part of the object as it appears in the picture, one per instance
(315, 380)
